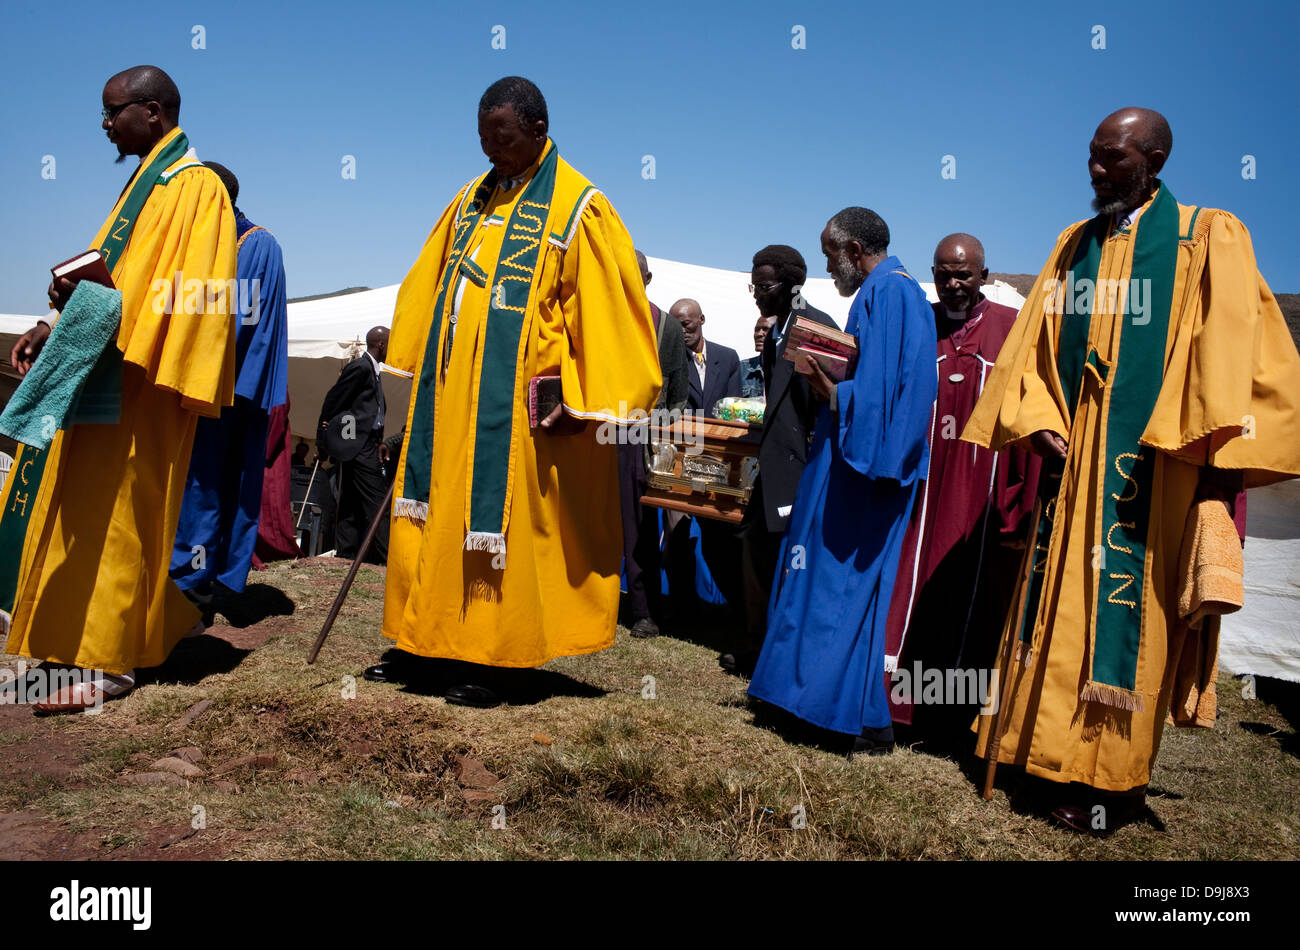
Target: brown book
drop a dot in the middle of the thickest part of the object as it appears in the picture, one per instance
(834, 350)
(544, 394)
(89, 265)
(835, 365)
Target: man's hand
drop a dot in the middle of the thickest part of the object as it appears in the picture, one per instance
(383, 452)
(60, 292)
(821, 383)
(559, 423)
(1048, 444)
(28, 347)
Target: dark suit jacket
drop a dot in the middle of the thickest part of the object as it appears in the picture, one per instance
(788, 423)
(674, 363)
(357, 391)
(721, 378)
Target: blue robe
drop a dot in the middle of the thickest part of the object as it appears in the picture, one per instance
(824, 655)
(223, 496)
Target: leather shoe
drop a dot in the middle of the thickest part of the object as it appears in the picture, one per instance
(1077, 818)
(742, 662)
(645, 628)
(468, 694)
(383, 673)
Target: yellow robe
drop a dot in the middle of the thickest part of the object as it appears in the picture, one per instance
(93, 589)
(589, 322)
(1229, 399)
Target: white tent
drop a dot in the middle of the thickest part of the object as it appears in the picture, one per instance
(1263, 638)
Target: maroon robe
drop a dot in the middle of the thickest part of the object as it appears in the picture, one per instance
(275, 535)
(965, 538)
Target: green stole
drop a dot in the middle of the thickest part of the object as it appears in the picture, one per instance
(513, 280)
(25, 482)
(1127, 391)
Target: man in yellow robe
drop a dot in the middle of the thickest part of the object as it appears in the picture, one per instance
(94, 514)
(505, 540)
(1151, 367)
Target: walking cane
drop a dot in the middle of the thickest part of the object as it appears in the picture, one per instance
(306, 499)
(995, 740)
(352, 573)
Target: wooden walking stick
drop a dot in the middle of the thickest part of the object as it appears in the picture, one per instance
(999, 720)
(995, 740)
(352, 573)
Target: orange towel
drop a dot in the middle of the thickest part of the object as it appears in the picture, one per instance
(1210, 565)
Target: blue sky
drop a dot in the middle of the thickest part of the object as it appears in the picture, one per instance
(754, 141)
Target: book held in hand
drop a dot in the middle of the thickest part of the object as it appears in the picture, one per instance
(89, 265)
(544, 394)
(834, 350)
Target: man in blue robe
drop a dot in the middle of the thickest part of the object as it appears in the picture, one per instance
(823, 659)
(223, 496)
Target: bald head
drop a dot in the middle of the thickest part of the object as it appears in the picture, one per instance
(151, 83)
(959, 272)
(645, 268)
(377, 342)
(964, 248)
(1149, 129)
(691, 317)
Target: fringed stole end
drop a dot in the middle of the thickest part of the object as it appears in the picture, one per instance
(491, 541)
(412, 510)
(1116, 696)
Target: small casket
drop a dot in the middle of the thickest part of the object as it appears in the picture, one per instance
(703, 467)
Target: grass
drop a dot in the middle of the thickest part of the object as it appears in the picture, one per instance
(367, 771)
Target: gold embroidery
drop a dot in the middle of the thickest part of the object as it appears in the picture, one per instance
(1127, 477)
(1111, 544)
(1128, 582)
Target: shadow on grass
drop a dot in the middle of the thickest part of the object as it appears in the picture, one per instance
(516, 687)
(194, 659)
(255, 604)
(797, 732)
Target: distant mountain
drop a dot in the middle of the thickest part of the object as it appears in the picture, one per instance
(337, 293)
(1290, 303)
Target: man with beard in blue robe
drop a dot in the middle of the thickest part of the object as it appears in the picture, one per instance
(823, 659)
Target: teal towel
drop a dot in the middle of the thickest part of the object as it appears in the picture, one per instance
(77, 377)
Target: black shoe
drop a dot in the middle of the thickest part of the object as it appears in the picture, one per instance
(388, 672)
(874, 742)
(742, 662)
(468, 694)
(645, 628)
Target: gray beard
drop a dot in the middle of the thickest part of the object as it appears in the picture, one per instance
(1129, 196)
(848, 276)
(1114, 206)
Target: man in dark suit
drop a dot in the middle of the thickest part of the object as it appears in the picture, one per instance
(715, 369)
(776, 279)
(352, 431)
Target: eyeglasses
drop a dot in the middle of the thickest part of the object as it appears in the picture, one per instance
(767, 286)
(111, 113)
